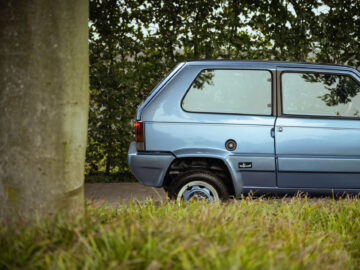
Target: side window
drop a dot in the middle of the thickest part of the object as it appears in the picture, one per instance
(230, 91)
(320, 94)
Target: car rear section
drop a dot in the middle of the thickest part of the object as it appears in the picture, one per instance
(149, 167)
(181, 134)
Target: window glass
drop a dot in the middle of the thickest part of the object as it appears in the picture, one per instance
(230, 91)
(320, 94)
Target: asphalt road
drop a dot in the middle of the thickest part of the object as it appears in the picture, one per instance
(114, 193)
(118, 193)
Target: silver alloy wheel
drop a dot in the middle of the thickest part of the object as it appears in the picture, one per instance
(198, 190)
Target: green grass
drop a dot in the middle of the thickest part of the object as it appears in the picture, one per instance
(265, 233)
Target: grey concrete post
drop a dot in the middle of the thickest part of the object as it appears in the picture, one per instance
(43, 106)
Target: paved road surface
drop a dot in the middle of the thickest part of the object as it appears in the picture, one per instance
(114, 193)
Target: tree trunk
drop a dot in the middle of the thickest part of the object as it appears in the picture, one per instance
(43, 107)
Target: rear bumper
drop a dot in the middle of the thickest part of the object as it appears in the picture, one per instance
(149, 168)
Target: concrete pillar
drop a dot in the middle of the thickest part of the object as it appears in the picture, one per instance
(43, 106)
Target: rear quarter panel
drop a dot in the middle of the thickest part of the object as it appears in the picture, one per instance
(169, 128)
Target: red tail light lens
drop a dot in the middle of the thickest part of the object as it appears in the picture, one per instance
(139, 131)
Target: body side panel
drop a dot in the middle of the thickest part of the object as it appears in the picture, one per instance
(254, 144)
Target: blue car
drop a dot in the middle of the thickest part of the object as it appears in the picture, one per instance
(216, 129)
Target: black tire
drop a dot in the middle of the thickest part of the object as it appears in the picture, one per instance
(198, 175)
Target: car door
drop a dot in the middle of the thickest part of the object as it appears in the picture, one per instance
(317, 133)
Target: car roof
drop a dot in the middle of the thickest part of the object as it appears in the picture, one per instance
(272, 64)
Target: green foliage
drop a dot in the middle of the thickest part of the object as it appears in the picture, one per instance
(112, 76)
(340, 88)
(134, 43)
(265, 233)
(337, 33)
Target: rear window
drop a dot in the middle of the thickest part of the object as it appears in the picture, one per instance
(320, 94)
(230, 91)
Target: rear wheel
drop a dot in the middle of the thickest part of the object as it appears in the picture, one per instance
(198, 185)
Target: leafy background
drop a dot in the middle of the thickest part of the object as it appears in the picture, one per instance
(134, 43)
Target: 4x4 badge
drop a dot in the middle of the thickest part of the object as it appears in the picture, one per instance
(245, 165)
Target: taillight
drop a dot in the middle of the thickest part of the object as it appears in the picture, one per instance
(139, 131)
(139, 135)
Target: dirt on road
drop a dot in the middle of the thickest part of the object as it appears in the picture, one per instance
(114, 193)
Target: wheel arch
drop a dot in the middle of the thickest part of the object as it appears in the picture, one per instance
(213, 158)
